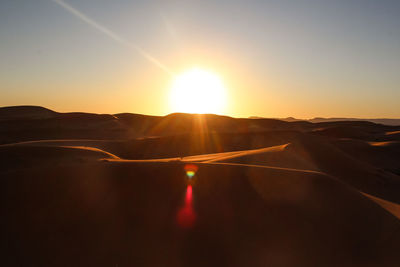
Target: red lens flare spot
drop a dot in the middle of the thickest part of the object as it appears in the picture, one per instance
(191, 167)
(189, 195)
(190, 170)
(186, 216)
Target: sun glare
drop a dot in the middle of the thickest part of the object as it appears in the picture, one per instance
(198, 91)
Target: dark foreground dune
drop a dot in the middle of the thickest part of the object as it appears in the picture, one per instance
(125, 214)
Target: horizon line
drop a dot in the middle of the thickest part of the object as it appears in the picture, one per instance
(255, 117)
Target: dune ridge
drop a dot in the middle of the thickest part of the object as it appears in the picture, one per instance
(102, 190)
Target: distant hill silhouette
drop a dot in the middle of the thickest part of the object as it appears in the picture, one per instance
(385, 121)
(24, 123)
(26, 112)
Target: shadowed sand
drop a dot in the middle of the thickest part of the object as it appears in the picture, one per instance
(389, 206)
(125, 213)
(191, 190)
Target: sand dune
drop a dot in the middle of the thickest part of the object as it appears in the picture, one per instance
(234, 154)
(385, 143)
(393, 208)
(92, 149)
(84, 189)
(384, 155)
(25, 112)
(275, 156)
(29, 123)
(393, 133)
(310, 153)
(305, 151)
(115, 213)
(21, 157)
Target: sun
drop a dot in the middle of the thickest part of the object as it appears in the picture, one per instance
(198, 91)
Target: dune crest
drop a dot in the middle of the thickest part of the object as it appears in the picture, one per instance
(99, 190)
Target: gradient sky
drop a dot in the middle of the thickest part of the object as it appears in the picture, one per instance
(278, 58)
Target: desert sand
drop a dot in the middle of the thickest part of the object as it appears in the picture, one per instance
(196, 190)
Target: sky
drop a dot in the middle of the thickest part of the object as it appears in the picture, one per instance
(276, 58)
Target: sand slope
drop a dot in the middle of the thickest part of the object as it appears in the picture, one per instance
(83, 189)
(370, 169)
(393, 208)
(108, 214)
(20, 157)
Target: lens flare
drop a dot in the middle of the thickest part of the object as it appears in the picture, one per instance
(190, 174)
(111, 34)
(186, 216)
(189, 195)
(190, 170)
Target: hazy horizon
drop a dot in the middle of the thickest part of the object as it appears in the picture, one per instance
(301, 59)
(235, 117)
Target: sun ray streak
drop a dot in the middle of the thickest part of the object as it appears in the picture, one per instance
(111, 34)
